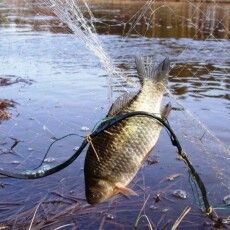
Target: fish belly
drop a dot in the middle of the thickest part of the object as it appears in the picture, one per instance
(122, 150)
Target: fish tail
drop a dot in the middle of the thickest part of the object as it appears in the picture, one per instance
(147, 70)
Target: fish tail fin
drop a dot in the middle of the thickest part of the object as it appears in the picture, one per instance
(141, 69)
(147, 70)
(161, 72)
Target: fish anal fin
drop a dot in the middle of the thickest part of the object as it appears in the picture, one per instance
(166, 110)
(120, 188)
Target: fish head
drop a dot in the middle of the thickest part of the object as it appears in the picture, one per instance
(99, 190)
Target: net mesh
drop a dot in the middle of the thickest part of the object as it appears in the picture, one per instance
(56, 48)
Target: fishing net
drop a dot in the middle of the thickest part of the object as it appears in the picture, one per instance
(63, 63)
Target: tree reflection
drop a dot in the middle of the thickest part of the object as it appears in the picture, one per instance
(172, 19)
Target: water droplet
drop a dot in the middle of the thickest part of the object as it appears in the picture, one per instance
(227, 200)
(76, 148)
(84, 128)
(110, 216)
(49, 160)
(226, 220)
(180, 194)
(173, 177)
(153, 207)
(165, 210)
(15, 162)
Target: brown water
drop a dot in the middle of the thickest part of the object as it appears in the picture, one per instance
(58, 87)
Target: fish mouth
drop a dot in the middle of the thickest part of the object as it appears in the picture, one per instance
(95, 198)
(98, 191)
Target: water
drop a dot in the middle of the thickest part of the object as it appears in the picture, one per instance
(64, 89)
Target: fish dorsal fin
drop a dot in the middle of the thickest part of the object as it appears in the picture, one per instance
(120, 103)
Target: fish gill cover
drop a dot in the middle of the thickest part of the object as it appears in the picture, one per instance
(79, 57)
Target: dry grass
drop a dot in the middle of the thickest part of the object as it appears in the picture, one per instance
(4, 105)
(180, 218)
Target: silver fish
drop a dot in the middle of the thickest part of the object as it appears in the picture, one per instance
(115, 156)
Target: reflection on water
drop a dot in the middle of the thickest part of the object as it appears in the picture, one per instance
(69, 92)
(172, 19)
(180, 19)
(177, 20)
(200, 81)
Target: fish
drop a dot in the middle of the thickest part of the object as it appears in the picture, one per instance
(115, 156)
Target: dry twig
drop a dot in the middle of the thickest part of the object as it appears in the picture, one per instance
(30, 227)
(180, 218)
(140, 216)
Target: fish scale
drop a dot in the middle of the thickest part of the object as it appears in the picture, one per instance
(123, 148)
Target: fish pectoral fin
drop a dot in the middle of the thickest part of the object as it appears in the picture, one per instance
(166, 110)
(120, 188)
